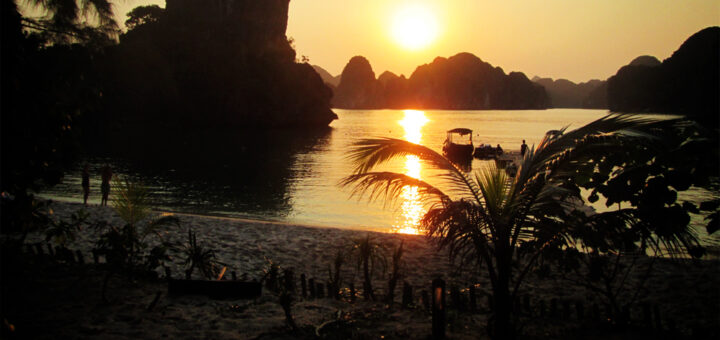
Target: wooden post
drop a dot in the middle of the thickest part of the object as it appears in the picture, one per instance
(647, 314)
(233, 274)
(303, 285)
(455, 298)
(311, 285)
(596, 311)
(353, 293)
(289, 280)
(154, 301)
(658, 320)
(625, 314)
(407, 295)
(426, 300)
(438, 309)
(330, 290)
(80, 258)
(473, 299)
(320, 293)
(526, 305)
(580, 309)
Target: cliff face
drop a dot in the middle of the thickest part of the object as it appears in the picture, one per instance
(329, 79)
(567, 94)
(216, 64)
(461, 82)
(357, 88)
(686, 83)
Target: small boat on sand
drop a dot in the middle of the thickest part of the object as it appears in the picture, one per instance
(458, 146)
(486, 151)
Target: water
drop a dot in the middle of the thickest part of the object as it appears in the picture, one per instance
(281, 177)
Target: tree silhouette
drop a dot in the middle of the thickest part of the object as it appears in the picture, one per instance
(504, 222)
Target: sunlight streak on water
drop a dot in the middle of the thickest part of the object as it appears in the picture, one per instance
(411, 207)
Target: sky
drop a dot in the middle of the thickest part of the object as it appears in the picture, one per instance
(577, 40)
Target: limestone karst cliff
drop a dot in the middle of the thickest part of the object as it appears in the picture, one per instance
(218, 64)
(688, 82)
(461, 82)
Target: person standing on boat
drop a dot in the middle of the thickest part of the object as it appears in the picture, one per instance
(86, 183)
(105, 186)
(523, 149)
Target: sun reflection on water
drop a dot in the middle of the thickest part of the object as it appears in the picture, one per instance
(411, 207)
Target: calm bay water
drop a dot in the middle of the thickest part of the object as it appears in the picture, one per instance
(295, 179)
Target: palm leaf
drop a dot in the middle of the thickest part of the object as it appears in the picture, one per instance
(367, 154)
(388, 186)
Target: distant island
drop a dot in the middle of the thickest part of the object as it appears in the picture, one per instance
(564, 93)
(461, 82)
(687, 83)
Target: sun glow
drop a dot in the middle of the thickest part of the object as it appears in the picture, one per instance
(414, 27)
(411, 206)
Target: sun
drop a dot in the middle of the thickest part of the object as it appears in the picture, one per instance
(414, 27)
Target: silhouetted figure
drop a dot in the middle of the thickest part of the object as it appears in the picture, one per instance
(86, 183)
(523, 149)
(105, 186)
(499, 150)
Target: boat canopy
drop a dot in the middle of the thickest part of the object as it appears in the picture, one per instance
(460, 131)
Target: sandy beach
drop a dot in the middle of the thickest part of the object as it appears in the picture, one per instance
(63, 300)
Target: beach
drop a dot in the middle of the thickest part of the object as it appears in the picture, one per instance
(63, 299)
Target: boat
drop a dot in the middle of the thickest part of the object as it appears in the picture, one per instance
(458, 146)
(486, 151)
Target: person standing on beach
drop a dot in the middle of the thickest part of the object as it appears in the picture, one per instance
(523, 149)
(86, 183)
(105, 186)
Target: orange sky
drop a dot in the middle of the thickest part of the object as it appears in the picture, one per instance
(573, 39)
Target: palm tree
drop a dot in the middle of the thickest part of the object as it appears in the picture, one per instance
(72, 20)
(486, 218)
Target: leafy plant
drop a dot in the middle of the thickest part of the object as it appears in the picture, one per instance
(198, 257)
(126, 248)
(62, 232)
(335, 271)
(369, 256)
(395, 271)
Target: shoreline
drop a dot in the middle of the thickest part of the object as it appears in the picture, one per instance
(680, 289)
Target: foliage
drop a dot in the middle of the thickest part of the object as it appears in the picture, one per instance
(67, 21)
(40, 133)
(198, 257)
(143, 15)
(62, 232)
(370, 256)
(396, 268)
(131, 201)
(335, 271)
(22, 215)
(486, 217)
(126, 248)
(607, 275)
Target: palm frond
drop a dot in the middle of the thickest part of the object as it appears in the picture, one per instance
(367, 154)
(388, 186)
(131, 200)
(156, 224)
